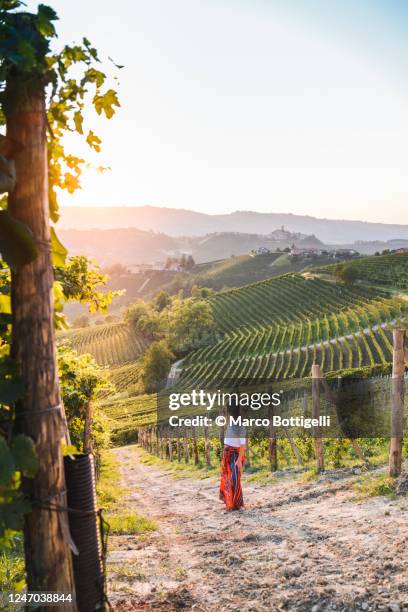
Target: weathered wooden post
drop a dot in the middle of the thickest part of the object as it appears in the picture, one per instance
(247, 452)
(221, 437)
(195, 445)
(178, 446)
(273, 455)
(162, 442)
(397, 408)
(207, 447)
(318, 442)
(170, 445)
(185, 444)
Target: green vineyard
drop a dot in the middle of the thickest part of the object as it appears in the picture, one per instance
(389, 270)
(364, 348)
(243, 269)
(287, 299)
(278, 328)
(112, 344)
(273, 329)
(129, 413)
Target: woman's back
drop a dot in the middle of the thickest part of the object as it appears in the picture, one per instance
(235, 436)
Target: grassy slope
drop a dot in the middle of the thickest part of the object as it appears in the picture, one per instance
(388, 270)
(278, 328)
(112, 344)
(245, 269)
(276, 316)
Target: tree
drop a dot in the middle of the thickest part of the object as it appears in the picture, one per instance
(79, 278)
(191, 321)
(201, 292)
(155, 366)
(81, 379)
(116, 269)
(38, 166)
(347, 274)
(190, 263)
(143, 319)
(161, 300)
(81, 321)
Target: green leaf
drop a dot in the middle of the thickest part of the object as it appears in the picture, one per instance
(106, 102)
(11, 390)
(5, 304)
(25, 456)
(94, 141)
(59, 252)
(119, 66)
(11, 385)
(47, 12)
(5, 319)
(53, 205)
(78, 121)
(11, 514)
(17, 244)
(94, 76)
(7, 465)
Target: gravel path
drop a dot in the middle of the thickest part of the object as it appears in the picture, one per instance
(306, 546)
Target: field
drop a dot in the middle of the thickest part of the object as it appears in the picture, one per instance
(128, 413)
(275, 329)
(295, 322)
(388, 270)
(243, 269)
(111, 344)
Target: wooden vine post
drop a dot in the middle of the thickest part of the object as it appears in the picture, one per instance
(195, 445)
(207, 447)
(185, 446)
(397, 408)
(39, 413)
(318, 442)
(273, 447)
(170, 443)
(178, 446)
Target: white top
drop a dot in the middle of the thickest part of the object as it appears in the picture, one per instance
(235, 436)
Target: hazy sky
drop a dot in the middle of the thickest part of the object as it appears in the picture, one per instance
(271, 105)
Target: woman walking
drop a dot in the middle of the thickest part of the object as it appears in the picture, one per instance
(233, 460)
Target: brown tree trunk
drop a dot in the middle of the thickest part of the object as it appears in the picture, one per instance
(47, 553)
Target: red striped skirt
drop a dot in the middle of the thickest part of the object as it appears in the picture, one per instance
(230, 485)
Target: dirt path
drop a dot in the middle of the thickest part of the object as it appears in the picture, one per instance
(295, 547)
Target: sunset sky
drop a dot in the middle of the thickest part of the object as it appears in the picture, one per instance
(270, 105)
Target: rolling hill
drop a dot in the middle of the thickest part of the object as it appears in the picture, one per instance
(179, 222)
(389, 270)
(112, 344)
(278, 328)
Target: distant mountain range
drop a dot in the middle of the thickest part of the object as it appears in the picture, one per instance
(132, 246)
(179, 222)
